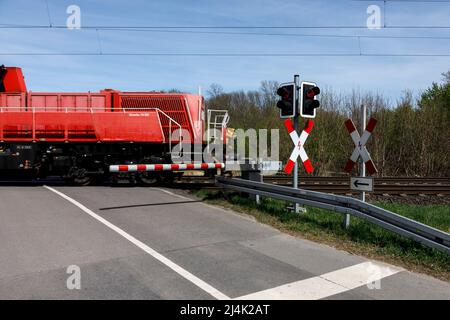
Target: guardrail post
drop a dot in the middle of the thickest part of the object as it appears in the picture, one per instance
(253, 175)
(252, 172)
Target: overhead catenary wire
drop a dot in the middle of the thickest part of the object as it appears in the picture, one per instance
(282, 34)
(216, 54)
(22, 26)
(126, 29)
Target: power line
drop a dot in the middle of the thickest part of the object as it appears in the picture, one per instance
(283, 34)
(16, 26)
(126, 29)
(182, 54)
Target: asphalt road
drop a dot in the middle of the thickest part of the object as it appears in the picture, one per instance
(145, 243)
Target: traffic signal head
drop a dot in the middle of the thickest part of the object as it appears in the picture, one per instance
(308, 101)
(287, 104)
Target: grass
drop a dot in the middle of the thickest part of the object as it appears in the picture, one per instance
(362, 238)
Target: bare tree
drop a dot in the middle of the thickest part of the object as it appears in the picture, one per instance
(214, 90)
(446, 76)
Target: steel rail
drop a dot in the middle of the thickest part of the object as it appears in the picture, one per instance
(391, 221)
(329, 185)
(442, 187)
(381, 180)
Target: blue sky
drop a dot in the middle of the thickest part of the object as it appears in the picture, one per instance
(388, 75)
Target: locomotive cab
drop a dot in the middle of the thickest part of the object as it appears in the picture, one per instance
(12, 80)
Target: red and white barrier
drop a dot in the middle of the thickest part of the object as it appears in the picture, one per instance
(360, 146)
(165, 167)
(299, 142)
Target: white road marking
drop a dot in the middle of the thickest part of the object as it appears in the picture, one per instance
(327, 284)
(178, 269)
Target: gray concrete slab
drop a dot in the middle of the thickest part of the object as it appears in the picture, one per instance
(303, 254)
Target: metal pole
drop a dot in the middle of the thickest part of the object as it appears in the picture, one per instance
(363, 166)
(295, 178)
(362, 172)
(347, 221)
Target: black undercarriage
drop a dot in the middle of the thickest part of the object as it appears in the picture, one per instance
(82, 163)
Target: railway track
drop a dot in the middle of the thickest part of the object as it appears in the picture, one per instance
(336, 185)
(341, 185)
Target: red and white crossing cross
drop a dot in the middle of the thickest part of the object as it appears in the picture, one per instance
(299, 142)
(360, 146)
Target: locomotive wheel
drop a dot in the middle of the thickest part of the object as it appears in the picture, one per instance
(168, 178)
(83, 181)
(148, 179)
(79, 177)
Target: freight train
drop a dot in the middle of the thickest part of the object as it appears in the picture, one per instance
(80, 136)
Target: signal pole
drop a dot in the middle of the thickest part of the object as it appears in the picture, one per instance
(362, 172)
(296, 106)
(363, 165)
(298, 100)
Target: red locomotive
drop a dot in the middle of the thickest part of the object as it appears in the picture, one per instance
(80, 135)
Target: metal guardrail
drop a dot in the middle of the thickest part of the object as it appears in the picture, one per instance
(391, 221)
